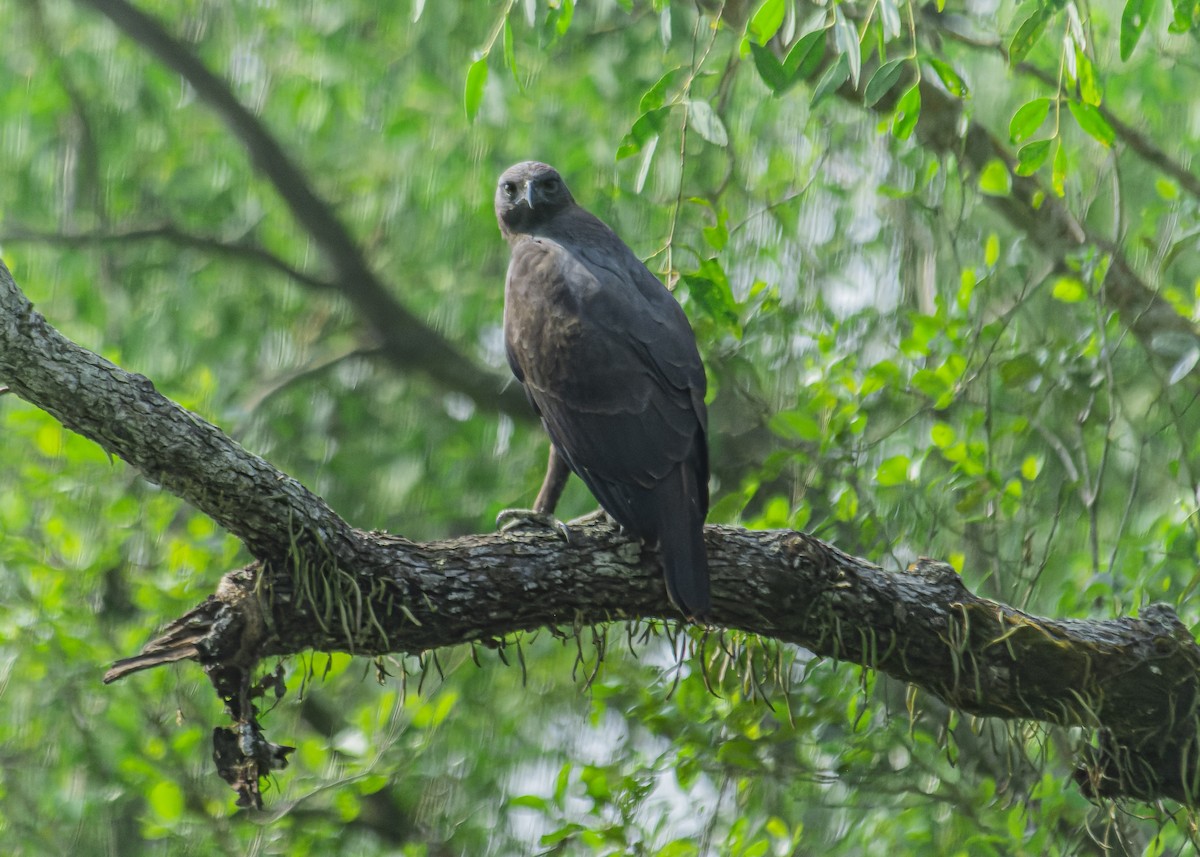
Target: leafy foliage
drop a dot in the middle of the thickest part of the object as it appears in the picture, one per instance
(897, 364)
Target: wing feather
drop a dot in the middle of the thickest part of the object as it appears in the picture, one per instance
(609, 362)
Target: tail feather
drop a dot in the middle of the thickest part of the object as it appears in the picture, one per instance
(672, 514)
(681, 542)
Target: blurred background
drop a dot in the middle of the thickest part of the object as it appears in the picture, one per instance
(900, 361)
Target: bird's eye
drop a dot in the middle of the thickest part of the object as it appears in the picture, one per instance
(551, 186)
(509, 188)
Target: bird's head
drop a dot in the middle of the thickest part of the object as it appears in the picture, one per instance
(528, 195)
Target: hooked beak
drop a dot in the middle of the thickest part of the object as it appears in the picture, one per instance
(527, 196)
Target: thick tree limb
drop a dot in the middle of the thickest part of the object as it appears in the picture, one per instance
(1134, 679)
(320, 584)
(406, 340)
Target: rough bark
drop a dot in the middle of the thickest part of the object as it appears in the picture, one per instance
(320, 584)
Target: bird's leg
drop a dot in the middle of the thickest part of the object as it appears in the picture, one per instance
(557, 473)
(542, 512)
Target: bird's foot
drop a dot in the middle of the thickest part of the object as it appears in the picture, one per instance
(515, 519)
(597, 517)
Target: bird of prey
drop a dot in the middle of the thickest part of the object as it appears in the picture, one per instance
(609, 362)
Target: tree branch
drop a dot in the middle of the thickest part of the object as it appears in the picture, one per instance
(1137, 142)
(1134, 679)
(241, 250)
(1040, 215)
(1047, 222)
(171, 446)
(405, 339)
(319, 584)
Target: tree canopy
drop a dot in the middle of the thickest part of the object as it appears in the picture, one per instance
(940, 260)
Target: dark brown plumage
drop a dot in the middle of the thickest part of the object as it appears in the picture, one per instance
(609, 362)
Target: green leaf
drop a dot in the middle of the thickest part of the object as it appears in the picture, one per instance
(510, 53)
(882, 81)
(893, 471)
(769, 68)
(995, 180)
(766, 22)
(561, 783)
(1093, 123)
(805, 57)
(1085, 76)
(1069, 290)
(564, 833)
(845, 508)
(1133, 22)
(758, 849)
(566, 11)
(1058, 174)
(991, 252)
(967, 281)
(883, 374)
(432, 713)
(166, 801)
(1027, 35)
(949, 78)
(716, 236)
(473, 93)
(834, 77)
(845, 36)
(801, 61)
(597, 782)
(647, 127)
(1031, 157)
(678, 848)
(795, 425)
(1028, 119)
(529, 802)
(908, 110)
(1185, 17)
(929, 382)
(656, 96)
(1019, 370)
(709, 288)
(707, 122)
